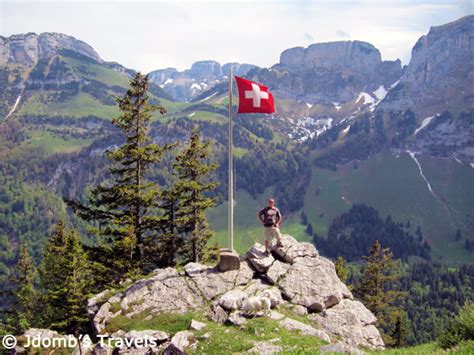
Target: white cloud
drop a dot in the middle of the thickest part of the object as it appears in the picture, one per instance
(152, 34)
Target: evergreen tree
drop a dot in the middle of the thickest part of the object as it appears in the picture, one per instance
(342, 270)
(65, 282)
(125, 207)
(458, 235)
(24, 295)
(193, 185)
(376, 289)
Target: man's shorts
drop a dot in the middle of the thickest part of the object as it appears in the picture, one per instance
(271, 232)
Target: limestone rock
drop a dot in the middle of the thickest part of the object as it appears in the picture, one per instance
(195, 325)
(340, 347)
(258, 258)
(232, 299)
(265, 347)
(236, 318)
(292, 249)
(352, 321)
(313, 283)
(212, 283)
(158, 335)
(292, 324)
(217, 314)
(276, 271)
(180, 341)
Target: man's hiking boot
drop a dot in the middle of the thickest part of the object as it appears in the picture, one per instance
(267, 252)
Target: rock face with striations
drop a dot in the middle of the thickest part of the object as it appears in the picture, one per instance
(295, 277)
(27, 49)
(330, 72)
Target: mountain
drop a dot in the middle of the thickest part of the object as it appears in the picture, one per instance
(203, 75)
(349, 128)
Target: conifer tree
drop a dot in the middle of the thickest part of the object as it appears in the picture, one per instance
(65, 282)
(193, 185)
(342, 270)
(376, 289)
(24, 295)
(125, 206)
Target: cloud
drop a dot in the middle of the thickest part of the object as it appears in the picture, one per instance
(342, 34)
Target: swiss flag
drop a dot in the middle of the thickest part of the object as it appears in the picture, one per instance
(253, 97)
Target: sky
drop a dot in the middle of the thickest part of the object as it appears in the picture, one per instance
(151, 35)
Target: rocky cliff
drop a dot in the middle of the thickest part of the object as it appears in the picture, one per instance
(304, 291)
(202, 76)
(27, 49)
(331, 72)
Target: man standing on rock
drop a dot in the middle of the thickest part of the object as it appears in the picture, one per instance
(270, 217)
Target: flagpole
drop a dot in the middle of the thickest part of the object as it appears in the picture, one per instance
(230, 236)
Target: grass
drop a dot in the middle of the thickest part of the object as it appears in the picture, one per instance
(465, 348)
(54, 144)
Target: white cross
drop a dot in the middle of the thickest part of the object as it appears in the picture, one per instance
(256, 95)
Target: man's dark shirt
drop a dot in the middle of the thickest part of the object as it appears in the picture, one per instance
(271, 216)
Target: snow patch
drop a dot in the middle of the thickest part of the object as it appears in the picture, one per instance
(196, 86)
(413, 156)
(425, 123)
(168, 81)
(472, 165)
(345, 130)
(394, 84)
(368, 100)
(336, 105)
(191, 114)
(14, 106)
(380, 93)
(309, 105)
(207, 98)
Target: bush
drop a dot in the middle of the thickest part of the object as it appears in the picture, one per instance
(462, 328)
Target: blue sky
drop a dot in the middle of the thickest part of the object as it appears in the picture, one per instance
(150, 35)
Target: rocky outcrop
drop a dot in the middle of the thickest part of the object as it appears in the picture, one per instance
(27, 49)
(330, 72)
(188, 84)
(293, 277)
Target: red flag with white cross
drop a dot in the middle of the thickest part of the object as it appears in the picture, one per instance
(253, 97)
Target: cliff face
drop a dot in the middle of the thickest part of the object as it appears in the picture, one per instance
(27, 49)
(440, 73)
(331, 72)
(295, 279)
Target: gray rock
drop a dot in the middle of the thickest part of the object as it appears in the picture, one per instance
(276, 271)
(195, 325)
(313, 283)
(292, 249)
(180, 341)
(258, 258)
(299, 310)
(232, 299)
(292, 324)
(217, 314)
(353, 322)
(236, 318)
(102, 349)
(212, 283)
(276, 315)
(273, 294)
(158, 335)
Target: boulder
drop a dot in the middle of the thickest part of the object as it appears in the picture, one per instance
(195, 325)
(158, 335)
(352, 321)
(265, 347)
(212, 283)
(340, 347)
(276, 271)
(292, 324)
(257, 257)
(217, 314)
(313, 283)
(236, 318)
(228, 260)
(180, 341)
(292, 249)
(232, 299)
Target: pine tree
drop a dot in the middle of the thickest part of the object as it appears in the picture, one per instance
(24, 295)
(65, 282)
(193, 185)
(342, 270)
(125, 207)
(375, 289)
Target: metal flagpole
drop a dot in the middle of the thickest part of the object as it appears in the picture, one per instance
(230, 227)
